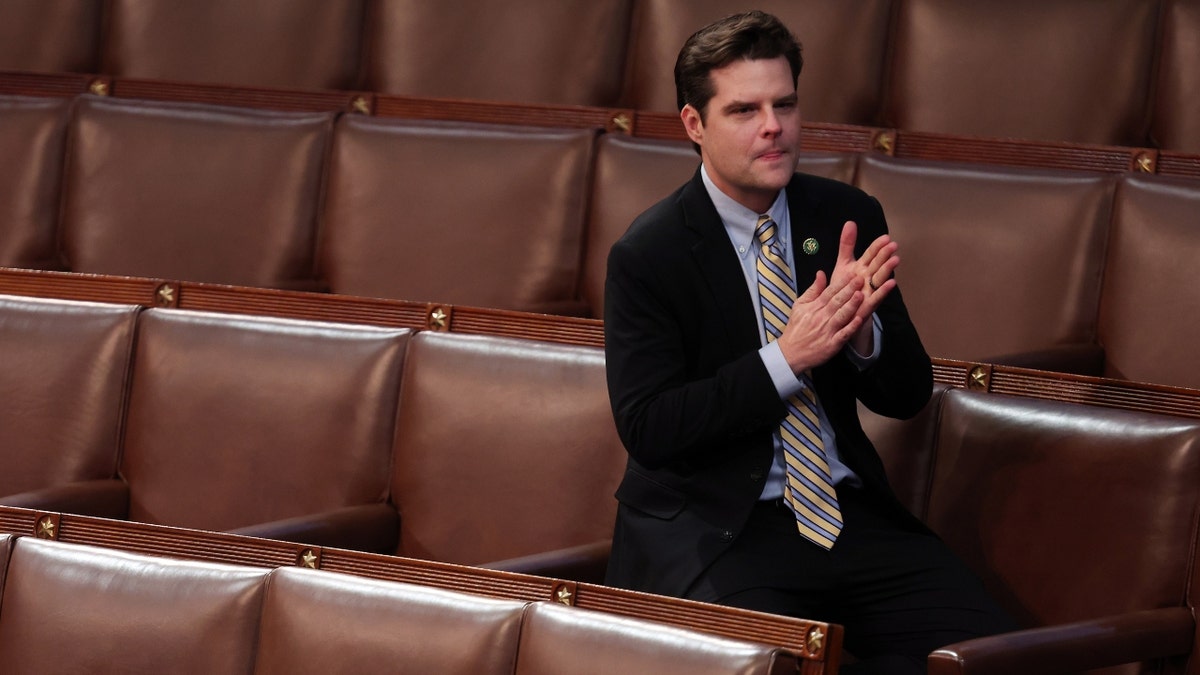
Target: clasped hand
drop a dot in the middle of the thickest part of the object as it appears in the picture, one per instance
(835, 311)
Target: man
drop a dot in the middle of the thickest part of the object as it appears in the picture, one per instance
(750, 481)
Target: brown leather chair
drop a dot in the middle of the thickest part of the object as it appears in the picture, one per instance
(32, 132)
(907, 449)
(506, 449)
(569, 641)
(332, 623)
(194, 192)
(999, 265)
(78, 609)
(844, 47)
(65, 368)
(50, 35)
(1147, 320)
(632, 174)
(267, 427)
(1081, 521)
(482, 215)
(1069, 70)
(299, 44)
(1176, 121)
(564, 52)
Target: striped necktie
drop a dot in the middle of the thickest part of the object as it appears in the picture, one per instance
(809, 492)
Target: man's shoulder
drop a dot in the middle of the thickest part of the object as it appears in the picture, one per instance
(661, 221)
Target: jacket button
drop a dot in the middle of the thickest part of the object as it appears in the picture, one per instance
(727, 535)
(756, 475)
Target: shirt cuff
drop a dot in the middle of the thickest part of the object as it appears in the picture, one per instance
(864, 362)
(786, 382)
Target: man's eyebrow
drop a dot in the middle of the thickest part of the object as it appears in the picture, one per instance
(734, 105)
(790, 98)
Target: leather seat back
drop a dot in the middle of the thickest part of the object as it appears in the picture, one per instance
(66, 367)
(235, 421)
(504, 448)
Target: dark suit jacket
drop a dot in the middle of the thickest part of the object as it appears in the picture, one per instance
(693, 402)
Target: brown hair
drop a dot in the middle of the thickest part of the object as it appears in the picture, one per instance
(752, 35)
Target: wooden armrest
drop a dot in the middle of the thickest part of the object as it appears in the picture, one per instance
(369, 527)
(1072, 647)
(586, 563)
(1080, 359)
(105, 498)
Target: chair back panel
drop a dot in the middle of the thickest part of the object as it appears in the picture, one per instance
(1148, 319)
(193, 192)
(68, 608)
(1070, 70)
(65, 366)
(563, 52)
(482, 215)
(235, 421)
(333, 623)
(1029, 491)
(32, 132)
(299, 44)
(995, 261)
(504, 448)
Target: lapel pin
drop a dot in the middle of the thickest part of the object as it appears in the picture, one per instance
(810, 246)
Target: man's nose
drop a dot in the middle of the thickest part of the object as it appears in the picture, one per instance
(771, 126)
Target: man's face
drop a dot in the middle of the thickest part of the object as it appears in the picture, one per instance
(750, 136)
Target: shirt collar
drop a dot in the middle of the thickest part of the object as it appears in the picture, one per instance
(740, 221)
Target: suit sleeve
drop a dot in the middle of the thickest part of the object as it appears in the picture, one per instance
(899, 383)
(668, 404)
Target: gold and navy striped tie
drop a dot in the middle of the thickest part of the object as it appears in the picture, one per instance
(809, 490)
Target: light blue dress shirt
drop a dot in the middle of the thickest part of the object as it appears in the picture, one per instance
(739, 224)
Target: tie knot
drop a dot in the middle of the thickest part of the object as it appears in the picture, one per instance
(766, 231)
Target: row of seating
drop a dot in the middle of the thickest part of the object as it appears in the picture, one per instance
(1080, 519)
(328, 434)
(1117, 72)
(67, 608)
(1043, 268)
(817, 643)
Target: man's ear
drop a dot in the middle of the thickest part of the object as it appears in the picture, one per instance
(692, 123)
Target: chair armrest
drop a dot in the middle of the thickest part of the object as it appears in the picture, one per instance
(1079, 359)
(586, 563)
(105, 498)
(1072, 647)
(368, 527)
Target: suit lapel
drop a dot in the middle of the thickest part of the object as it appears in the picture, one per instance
(810, 221)
(719, 266)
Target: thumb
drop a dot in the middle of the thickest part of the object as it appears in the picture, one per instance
(817, 287)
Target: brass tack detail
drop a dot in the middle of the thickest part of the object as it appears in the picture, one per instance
(439, 318)
(564, 595)
(980, 378)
